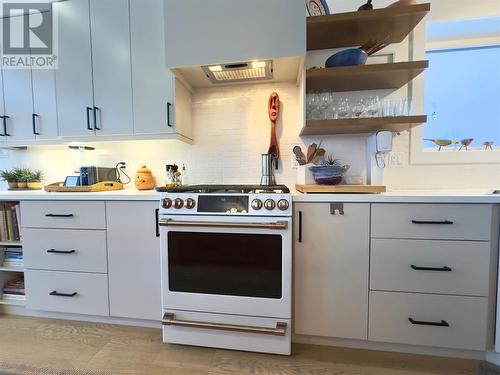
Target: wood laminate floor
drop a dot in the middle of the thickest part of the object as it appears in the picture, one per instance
(130, 350)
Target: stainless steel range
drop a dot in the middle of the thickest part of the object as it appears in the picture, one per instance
(226, 267)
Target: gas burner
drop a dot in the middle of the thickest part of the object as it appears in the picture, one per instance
(227, 189)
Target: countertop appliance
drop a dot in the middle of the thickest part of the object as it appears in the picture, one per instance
(226, 257)
(93, 175)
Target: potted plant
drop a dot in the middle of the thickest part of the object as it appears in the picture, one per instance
(35, 180)
(330, 173)
(22, 175)
(10, 177)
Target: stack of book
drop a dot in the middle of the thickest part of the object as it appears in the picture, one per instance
(10, 222)
(14, 290)
(12, 258)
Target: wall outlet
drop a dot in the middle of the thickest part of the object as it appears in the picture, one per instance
(396, 159)
(4, 154)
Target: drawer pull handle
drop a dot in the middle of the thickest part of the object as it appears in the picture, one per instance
(59, 215)
(442, 323)
(57, 294)
(54, 251)
(442, 269)
(170, 320)
(443, 222)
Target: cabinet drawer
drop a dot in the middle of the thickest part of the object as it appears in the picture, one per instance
(83, 293)
(459, 322)
(65, 250)
(447, 267)
(63, 214)
(432, 221)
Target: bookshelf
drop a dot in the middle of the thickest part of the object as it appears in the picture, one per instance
(11, 257)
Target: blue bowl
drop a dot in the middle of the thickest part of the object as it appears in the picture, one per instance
(328, 174)
(348, 57)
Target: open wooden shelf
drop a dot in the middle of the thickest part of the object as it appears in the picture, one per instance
(363, 77)
(355, 28)
(362, 125)
(11, 243)
(13, 302)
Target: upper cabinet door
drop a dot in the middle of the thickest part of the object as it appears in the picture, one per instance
(18, 99)
(75, 98)
(152, 82)
(218, 31)
(109, 20)
(44, 121)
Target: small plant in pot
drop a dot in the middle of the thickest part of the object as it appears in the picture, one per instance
(35, 180)
(10, 177)
(330, 173)
(23, 175)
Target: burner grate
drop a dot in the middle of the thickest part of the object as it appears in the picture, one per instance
(226, 189)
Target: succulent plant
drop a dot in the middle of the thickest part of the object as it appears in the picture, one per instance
(331, 161)
(9, 176)
(22, 174)
(35, 176)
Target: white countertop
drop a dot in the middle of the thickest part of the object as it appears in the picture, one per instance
(398, 196)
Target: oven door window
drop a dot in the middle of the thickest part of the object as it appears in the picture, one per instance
(233, 264)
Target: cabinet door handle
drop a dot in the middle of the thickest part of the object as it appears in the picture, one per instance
(59, 215)
(89, 127)
(300, 226)
(443, 222)
(442, 269)
(169, 107)
(2, 134)
(33, 120)
(95, 118)
(4, 118)
(57, 294)
(157, 219)
(442, 323)
(54, 251)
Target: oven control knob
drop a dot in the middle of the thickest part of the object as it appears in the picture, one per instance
(269, 204)
(283, 204)
(178, 203)
(166, 203)
(256, 204)
(190, 203)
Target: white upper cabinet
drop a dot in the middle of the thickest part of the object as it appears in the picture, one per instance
(75, 96)
(152, 83)
(109, 24)
(218, 31)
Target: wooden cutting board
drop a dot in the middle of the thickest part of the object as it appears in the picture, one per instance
(341, 189)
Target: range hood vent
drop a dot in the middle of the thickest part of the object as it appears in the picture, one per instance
(240, 72)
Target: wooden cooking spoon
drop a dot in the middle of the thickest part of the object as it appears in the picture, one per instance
(274, 110)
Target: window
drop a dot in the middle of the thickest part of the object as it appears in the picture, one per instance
(462, 99)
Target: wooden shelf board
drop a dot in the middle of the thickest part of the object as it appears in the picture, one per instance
(340, 189)
(13, 302)
(10, 243)
(354, 28)
(362, 125)
(363, 77)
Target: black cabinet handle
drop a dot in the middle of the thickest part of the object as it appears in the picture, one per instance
(157, 218)
(443, 222)
(4, 118)
(54, 251)
(442, 269)
(300, 226)
(442, 323)
(59, 215)
(89, 127)
(33, 120)
(2, 134)
(169, 106)
(56, 293)
(95, 118)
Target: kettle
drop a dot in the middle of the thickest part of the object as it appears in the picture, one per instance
(269, 162)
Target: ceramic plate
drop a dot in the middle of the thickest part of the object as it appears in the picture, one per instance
(317, 7)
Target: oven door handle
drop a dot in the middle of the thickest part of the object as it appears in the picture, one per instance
(222, 224)
(279, 330)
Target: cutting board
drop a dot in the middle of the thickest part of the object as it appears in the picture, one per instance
(341, 189)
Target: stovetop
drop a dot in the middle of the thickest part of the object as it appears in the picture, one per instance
(226, 189)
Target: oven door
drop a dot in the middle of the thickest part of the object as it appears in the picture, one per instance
(227, 264)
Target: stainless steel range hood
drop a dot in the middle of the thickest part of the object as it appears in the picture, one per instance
(247, 71)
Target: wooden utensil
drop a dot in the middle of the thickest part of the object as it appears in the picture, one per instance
(311, 151)
(299, 155)
(274, 110)
(320, 153)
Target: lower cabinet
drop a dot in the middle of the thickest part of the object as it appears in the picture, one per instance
(133, 260)
(331, 269)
